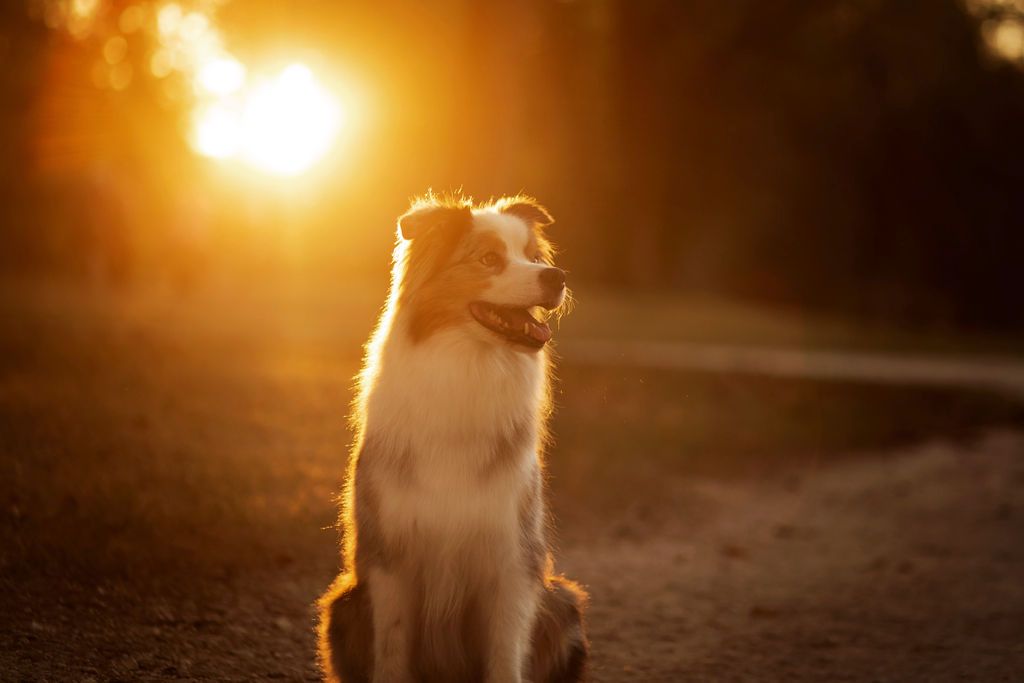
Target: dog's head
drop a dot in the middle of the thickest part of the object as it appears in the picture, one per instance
(487, 269)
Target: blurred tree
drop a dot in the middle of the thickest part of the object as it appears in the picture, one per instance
(858, 155)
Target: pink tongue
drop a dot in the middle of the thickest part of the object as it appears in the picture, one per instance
(541, 333)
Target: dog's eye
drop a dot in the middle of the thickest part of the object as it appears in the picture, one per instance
(490, 259)
(538, 259)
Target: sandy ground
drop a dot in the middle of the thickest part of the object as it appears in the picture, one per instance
(168, 471)
(902, 566)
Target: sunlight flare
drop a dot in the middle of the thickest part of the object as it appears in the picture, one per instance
(221, 76)
(216, 132)
(281, 125)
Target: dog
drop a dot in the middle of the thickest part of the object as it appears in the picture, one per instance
(447, 575)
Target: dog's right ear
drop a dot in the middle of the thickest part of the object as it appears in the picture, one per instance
(529, 210)
(421, 220)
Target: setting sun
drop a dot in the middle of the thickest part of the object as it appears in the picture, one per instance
(281, 125)
(221, 76)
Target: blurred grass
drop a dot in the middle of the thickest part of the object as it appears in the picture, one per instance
(623, 438)
(147, 431)
(606, 314)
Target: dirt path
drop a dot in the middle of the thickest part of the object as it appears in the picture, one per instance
(900, 568)
(167, 473)
(998, 373)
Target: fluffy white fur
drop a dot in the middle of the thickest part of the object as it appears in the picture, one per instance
(450, 529)
(449, 398)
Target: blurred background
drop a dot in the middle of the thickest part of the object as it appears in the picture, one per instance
(844, 156)
(789, 408)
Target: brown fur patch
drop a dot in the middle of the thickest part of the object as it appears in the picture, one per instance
(559, 642)
(532, 543)
(536, 217)
(359, 516)
(532, 250)
(443, 275)
(481, 243)
(371, 546)
(539, 247)
(508, 446)
(526, 208)
(373, 549)
(344, 634)
(423, 218)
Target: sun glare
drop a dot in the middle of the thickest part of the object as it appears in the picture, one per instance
(216, 132)
(289, 122)
(280, 122)
(221, 76)
(281, 125)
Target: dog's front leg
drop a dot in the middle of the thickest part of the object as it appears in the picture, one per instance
(391, 627)
(512, 613)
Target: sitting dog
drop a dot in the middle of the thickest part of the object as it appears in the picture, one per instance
(446, 571)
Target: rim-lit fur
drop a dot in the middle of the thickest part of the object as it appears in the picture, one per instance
(446, 573)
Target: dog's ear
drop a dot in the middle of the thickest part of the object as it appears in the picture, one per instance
(529, 210)
(420, 220)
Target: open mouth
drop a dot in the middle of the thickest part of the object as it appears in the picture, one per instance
(516, 324)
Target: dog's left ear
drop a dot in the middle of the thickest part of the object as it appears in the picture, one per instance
(530, 211)
(420, 220)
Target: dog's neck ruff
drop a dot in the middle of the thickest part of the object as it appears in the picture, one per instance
(453, 387)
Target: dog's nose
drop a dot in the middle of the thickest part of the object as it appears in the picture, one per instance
(552, 280)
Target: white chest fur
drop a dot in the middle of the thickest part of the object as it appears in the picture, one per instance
(446, 405)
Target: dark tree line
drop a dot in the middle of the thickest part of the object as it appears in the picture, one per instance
(862, 155)
(856, 155)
